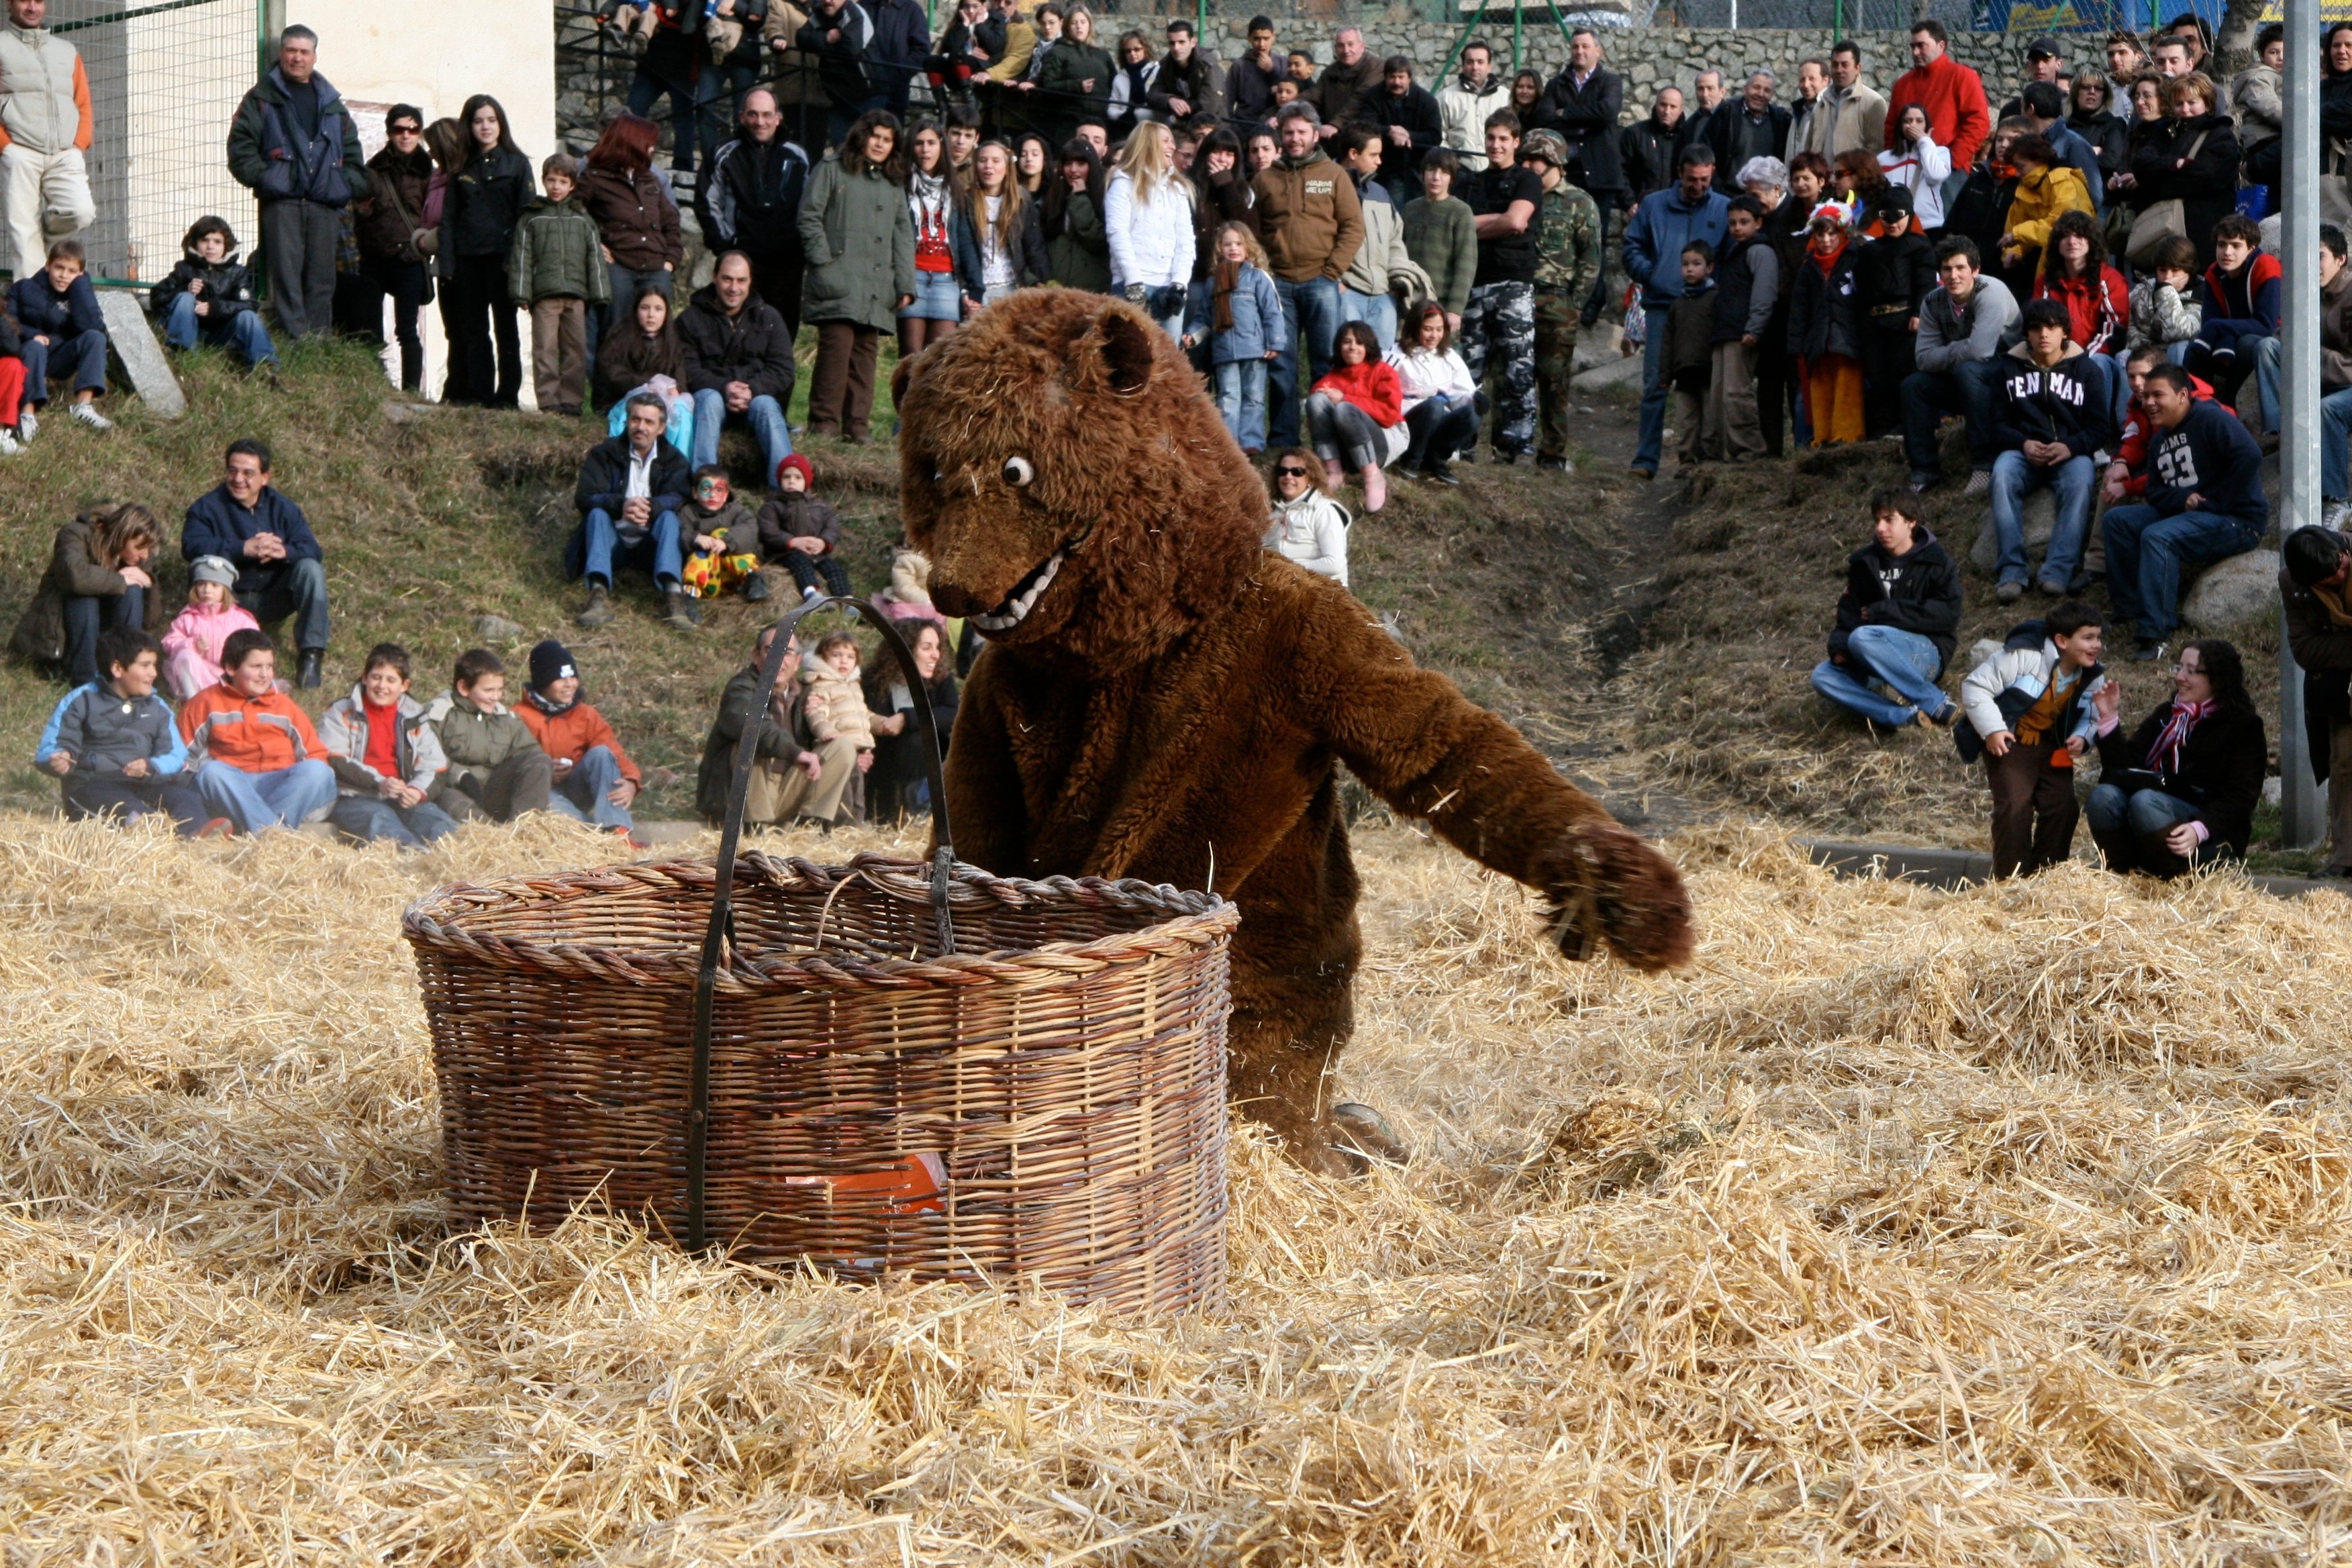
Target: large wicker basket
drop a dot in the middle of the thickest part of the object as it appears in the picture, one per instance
(881, 1068)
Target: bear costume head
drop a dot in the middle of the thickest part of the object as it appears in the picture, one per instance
(1076, 492)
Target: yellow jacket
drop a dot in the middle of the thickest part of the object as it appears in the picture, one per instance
(2039, 198)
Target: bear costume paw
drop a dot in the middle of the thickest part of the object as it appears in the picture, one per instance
(1607, 886)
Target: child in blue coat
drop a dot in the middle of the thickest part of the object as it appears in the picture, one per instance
(1240, 312)
(63, 336)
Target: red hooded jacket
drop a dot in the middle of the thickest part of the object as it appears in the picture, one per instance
(2098, 311)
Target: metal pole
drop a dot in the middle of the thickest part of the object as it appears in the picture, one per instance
(1518, 33)
(2303, 814)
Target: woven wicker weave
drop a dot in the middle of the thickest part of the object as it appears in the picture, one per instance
(1044, 1105)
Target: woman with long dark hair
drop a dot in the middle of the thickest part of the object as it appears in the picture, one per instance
(2181, 790)
(860, 242)
(938, 304)
(900, 782)
(1077, 251)
(635, 217)
(485, 197)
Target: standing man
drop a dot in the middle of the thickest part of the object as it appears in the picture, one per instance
(838, 35)
(2126, 59)
(281, 571)
(1664, 222)
(1410, 123)
(1567, 268)
(1364, 291)
(1647, 148)
(294, 146)
(1311, 223)
(1582, 104)
(896, 47)
(749, 200)
(1707, 93)
(1849, 117)
(1755, 127)
(1813, 80)
(2315, 584)
(1342, 94)
(43, 131)
(1498, 328)
(1953, 95)
(1464, 103)
(2045, 61)
(1249, 83)
(2045, 105)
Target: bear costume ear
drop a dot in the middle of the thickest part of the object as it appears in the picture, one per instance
(1126, 345)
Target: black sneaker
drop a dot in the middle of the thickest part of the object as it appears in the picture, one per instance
(2148, 650)
(755, 589)
(1439, 473)
(307, 671)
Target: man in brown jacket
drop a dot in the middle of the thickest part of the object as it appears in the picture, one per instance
(1342, 94)
(1310, 221)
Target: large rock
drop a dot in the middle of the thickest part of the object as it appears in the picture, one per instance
(138, 356)
(1625, 372)
(2040, 521)
(2234, 593)
(1599, 344)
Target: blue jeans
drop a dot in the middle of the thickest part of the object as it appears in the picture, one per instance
(1904, 660)
(1439, 429)
(81, 356)
(1241, 401)
(1377, 311)
(370, 817)
(182, 327)
(657, 551)
(1928, 395)
(2146, 549)
(287, 797)
(1655, 389)
(2014, 479)
(296, 588)
(2130, 829)
(766, 417)
(1311, 308)
(2335, 422)
(85, 618)
(579, 791)
(685, 98)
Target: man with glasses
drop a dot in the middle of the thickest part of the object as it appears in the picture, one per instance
(391, 214)
(45, 127)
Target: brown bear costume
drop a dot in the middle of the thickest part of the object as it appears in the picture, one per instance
(1162, 698)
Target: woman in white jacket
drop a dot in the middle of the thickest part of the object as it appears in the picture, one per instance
(1309, 526)
(1147, 218)
(1441, 400)
(1917, 164)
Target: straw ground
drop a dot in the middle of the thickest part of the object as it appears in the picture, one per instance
(1999, 1227)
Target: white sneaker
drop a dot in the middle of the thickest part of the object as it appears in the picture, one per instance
(8, 447)
(2338, 514)
(88, 414)
(28, 425)
(1980, 482)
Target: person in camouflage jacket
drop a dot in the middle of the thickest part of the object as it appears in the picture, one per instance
(1568, 265)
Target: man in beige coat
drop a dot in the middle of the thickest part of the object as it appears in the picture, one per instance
(1849, 117)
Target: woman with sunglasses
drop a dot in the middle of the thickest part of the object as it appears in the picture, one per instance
(1309, 526)
(392, 233)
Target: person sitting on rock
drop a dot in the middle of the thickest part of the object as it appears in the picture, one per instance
(2050, 420)
(2181, 790)
(2205, 504)
(1896, 622)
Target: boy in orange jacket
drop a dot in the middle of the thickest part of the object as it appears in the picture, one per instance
(257, 760)
(595, 780)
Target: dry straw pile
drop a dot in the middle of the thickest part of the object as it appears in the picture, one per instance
(1908, 1227)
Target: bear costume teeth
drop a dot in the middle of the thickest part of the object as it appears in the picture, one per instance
(1024, 596)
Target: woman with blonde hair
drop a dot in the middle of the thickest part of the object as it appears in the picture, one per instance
(999, 246)
(1309, 526)
(97, 578)
(1147, 219)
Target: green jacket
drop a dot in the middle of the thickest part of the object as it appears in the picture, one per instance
(1568, 243)
(737, 705)
(859, 238)
(475, 741)
(557, 255)
(1080, 257)
(1441, 237)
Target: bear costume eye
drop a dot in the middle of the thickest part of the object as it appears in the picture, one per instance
(1017, 471)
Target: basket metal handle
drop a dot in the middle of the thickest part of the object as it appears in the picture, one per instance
(722, 893)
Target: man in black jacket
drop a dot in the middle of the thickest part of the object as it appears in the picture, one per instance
(1753, 127)
(2315, 585)
(1582, 104)
(750, 201)
(895, 54)
(1410, 126)
(629, 494)
(1342, 94)
(1896, 621)
(1187, 82)
(1647, 150)
(738, 364)
(839, 36)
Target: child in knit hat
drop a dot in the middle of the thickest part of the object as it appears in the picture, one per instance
(720, 528)
(595, 781)
(192, 648)
(802, 533)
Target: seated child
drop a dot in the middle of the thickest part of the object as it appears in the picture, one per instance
(595, 780)
(113, 744)
(497, 768)
(192, 648)
(13, 406)
(208, 297)
(62, 335)
(712, 520)
(386, 758)
(2164, 302)
(835, 701)
(802, 533)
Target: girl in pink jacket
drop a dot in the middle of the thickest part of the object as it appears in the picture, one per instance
(192, 649)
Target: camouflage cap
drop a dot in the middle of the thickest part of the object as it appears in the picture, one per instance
(1548, 145)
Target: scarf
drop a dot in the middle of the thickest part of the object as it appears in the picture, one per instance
(1826, 262)
(1229, 278)
(531, 695)
(928, 193)
(2165, 755)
